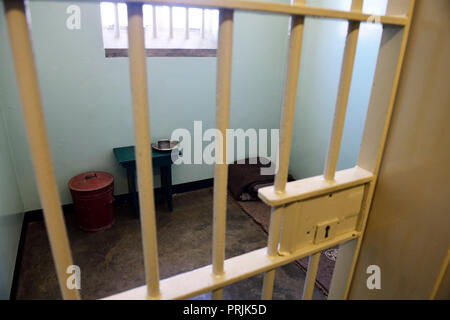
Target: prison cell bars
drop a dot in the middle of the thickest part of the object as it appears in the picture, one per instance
(281, 8)
(334, 146)
(343, 94)
(268, 283)
(222, 272)
(155, 24)
(384, 91)
(27, 81)
(138, 76)
(311, 273)
(286, 125)
(264, 6)
(337, 128)
(224, 51)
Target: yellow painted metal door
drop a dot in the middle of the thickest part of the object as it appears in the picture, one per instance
(308, 215)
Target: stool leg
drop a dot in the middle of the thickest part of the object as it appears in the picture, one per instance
(166, 184)
(131, 179)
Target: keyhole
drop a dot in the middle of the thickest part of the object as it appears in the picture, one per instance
(326, 231)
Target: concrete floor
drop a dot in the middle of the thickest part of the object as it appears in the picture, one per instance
(111, 261)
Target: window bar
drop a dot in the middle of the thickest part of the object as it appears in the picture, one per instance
(224, 52)
(187, 23)
(155, 27)
(139, 91)
(343, 94)
(171, 22)
(203, 23)
(310, 280)
(116, 16)
(272, 250)
(27, 81)
(287, 121)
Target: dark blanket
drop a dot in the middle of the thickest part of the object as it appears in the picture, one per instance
(244, 180)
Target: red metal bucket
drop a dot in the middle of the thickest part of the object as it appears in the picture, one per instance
(92, 194)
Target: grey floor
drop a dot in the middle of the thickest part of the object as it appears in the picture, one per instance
(111, 261)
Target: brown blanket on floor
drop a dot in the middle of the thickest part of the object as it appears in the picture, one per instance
(245, 179)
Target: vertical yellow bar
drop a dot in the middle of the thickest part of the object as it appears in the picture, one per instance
(337, 128)
(290, 94)
(286, 125)
(274, 232)
(268, 283)
(224, 53)
(310, 280)
(343, 94)
(37, 136)
(138, 76)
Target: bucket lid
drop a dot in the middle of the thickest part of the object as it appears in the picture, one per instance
(90, 181)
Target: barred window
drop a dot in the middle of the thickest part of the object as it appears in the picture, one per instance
(169, 31)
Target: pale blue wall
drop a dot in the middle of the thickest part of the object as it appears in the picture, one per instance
(87, 101)
(318, 85)
(87, 97)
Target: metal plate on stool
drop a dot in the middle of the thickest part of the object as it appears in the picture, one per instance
(165, 145)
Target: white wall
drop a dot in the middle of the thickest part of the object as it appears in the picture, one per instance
(318, 85)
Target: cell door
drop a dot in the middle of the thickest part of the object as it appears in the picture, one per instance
(307, 216)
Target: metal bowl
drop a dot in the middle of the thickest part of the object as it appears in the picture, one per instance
(165, 145)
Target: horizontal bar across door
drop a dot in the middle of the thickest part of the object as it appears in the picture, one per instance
(202, 280)
(281, 8)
